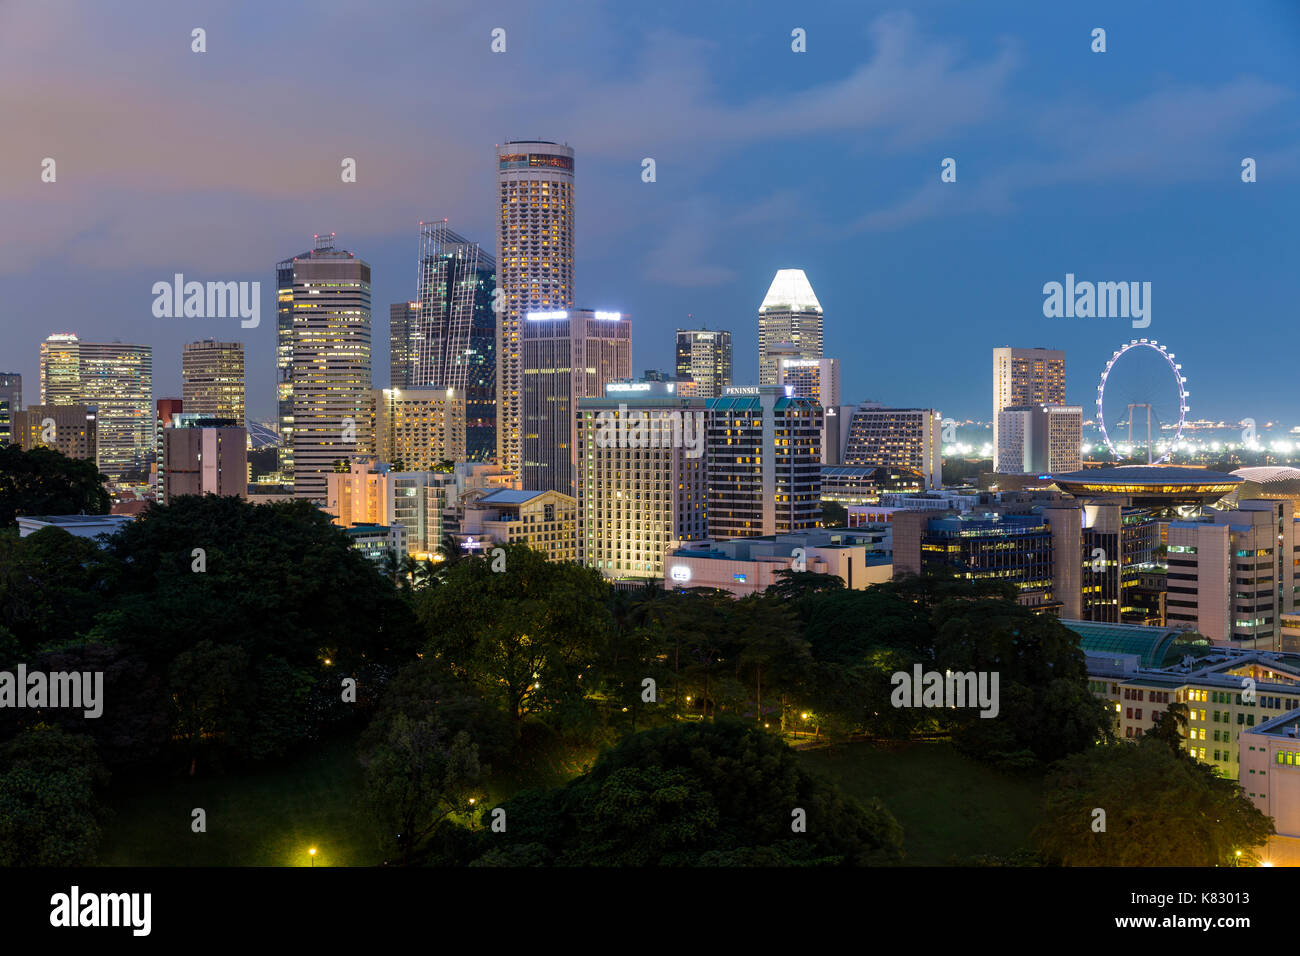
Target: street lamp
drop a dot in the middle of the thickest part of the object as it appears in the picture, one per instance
(312, 851)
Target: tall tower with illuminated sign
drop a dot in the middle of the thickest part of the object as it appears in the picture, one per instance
(534, 268)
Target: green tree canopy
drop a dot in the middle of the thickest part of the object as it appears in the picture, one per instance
(1160, 810)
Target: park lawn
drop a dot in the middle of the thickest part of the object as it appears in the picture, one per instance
(951, 807)
(262, 817)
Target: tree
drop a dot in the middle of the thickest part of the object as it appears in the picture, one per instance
(834, 515)
(415, 778)
(697, 794)
(524, 635)
(49, 813)
(47, 482)
(52, 584)
(1161, 809)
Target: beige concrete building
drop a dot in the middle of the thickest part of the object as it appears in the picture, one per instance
(546, 521)
(417, 429)
(1023, 378)
(69, 429)
(642, 483)
(858, 557)
(203, 456)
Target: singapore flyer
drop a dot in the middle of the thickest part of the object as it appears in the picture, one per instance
(1142, 402)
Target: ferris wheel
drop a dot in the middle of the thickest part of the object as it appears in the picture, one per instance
(1142, 377)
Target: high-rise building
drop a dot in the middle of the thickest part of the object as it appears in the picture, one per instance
(417, 429)
(323, 354)
(763, 462)
(117, 381)
(790, 315)
(1231, 574)
(204, 456)
(61, 369)
(897, 437)
(534, 267)
(1040, 439)
(69, 429)
(401, 344)
(818, 379)
(641, 478)
(11, 390)
(705, 355)
(567, 355)
(454, 331)
(212, 377)
(1025, 377)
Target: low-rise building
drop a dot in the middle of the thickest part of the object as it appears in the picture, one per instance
(859, 557)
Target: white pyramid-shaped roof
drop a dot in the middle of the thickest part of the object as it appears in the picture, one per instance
(790, 291)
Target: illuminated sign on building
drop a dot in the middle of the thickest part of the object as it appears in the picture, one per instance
(680, 572)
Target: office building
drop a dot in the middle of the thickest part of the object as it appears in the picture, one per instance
(535, 243)
(1231, 574)
(61, 369)
(910, 438)
(790, 316)
(323, 356)
(69, 429)
(212, 376)
(641, 478)
(11, 390)
(203, 456)
(1022, 378)
(454, 332)
(418, 429)
(567, 355)
(764, 462)
(117, 381)
(704, 355)
(401, 344)
(1040, 439)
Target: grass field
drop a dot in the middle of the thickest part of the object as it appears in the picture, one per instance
(267, 817)
(951, 807)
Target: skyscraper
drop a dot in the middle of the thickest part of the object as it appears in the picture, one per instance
(117, 381)
(790, 314)
(567, 355)
(705, 355)
(212, 376)
(60, 369)
(1024, 377)
(1040, 439)
(11, 390)
(453, 333)
(534, 266)
(764, 462)
(323, 353)
(401, 345)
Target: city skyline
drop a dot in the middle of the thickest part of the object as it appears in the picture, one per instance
(1033, 159)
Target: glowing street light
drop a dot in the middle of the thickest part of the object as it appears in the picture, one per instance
(312, 852)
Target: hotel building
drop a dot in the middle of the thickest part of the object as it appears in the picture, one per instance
(1024, 378)
(898, 438)
(764, 462)
(534, 267)
(705, 356)
(641, 477)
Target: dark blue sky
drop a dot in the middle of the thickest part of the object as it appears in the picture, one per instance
(1116, 166)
